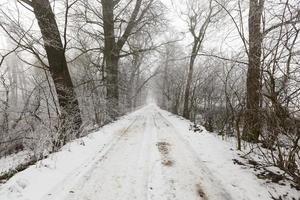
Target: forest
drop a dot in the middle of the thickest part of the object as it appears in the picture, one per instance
(70, 67)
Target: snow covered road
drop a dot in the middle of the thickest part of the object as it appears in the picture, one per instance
(148, 155)
(149, 160)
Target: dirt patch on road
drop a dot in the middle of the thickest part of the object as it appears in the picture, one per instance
(164, 149)
(200, 192)
(168, 162)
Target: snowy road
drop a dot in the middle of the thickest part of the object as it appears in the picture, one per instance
(147, 160)
(148, 155)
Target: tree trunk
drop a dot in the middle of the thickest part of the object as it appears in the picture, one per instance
(69, 106)
(186, 109)
(112, 49)
(112, 88)
(252, 127)
(111, 60)
(165, 77)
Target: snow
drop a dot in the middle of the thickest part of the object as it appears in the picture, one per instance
(217, 156)
(13, 161)
(148, 154)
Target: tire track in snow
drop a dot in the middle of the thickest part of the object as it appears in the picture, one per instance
(208, 180)
(85, 171)
(168, 187)
(122, 175)
(146, 162)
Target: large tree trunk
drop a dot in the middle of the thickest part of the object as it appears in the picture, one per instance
(186, 109)
(111, 59)
(112, 88)
(112, 49)
(69, 107)
(252, 126)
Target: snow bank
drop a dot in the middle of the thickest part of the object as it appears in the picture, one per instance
(11, 162)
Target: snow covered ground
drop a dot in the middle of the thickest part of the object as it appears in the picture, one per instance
(13, 161)
(148, 154)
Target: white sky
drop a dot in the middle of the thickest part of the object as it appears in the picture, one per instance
(222, 37)
(215, 39)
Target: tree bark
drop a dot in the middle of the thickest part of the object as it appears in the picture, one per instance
(112, 49)
(111, 59)
(68, 103)
(252, 127)
(186, 109)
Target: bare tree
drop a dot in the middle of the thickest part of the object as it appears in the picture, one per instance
(69, 107)
(199, 19)
(114, 45)
(252, 126)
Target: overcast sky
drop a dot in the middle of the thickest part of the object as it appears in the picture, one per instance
(217, 37)
(222, 37)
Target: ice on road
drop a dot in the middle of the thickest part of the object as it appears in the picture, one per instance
(148, 155)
